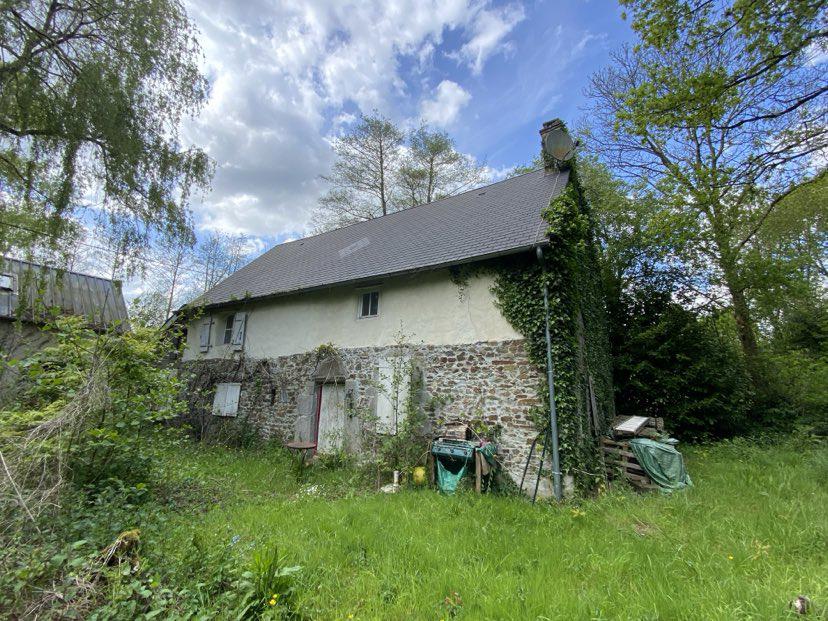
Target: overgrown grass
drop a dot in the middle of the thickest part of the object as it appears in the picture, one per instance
(749, 537)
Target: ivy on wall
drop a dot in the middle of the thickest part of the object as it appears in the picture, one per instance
(578, 327)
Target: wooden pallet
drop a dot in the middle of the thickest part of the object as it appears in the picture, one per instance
(620, 459)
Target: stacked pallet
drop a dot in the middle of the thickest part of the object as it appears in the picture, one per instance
(619, 458)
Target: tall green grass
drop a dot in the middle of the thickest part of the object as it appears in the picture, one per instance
(746, 539)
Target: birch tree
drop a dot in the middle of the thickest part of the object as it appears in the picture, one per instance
(92, 93)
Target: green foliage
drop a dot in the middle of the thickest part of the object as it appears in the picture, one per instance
(673, 364)
(91, 409)
(377, 556)
(272, 580)
(381, 168)
(91, 95)
(799, 355)
(580, 346)
(686, 112)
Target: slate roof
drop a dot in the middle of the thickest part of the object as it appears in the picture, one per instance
(498, 219)
(37, 286)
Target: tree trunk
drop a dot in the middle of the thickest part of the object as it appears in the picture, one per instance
(744, 328)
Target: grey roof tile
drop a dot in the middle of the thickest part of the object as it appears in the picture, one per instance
(497, 219)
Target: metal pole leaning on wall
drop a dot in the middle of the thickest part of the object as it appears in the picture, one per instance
(550, 378)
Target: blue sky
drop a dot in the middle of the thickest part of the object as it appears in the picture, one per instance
(287, 76)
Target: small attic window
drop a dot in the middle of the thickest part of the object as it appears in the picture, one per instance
(6, 282)
(369, 304)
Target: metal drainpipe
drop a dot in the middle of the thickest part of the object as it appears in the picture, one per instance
(550, 378)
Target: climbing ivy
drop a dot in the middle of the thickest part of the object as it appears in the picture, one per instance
(578, 327)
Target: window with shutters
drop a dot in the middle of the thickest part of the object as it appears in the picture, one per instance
(226, 400)
(369, 304)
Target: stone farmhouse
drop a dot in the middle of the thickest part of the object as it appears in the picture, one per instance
(305, 341)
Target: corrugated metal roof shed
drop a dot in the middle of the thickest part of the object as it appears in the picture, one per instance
(498, 219)
(40, 287)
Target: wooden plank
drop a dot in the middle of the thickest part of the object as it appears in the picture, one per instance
(478, 472)
(617, 443)
(626, 465)
(614, 451)
(632, 425)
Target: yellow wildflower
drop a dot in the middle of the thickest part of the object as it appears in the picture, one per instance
(272, 602)
(730, 557)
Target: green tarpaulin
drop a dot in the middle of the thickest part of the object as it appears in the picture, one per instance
(662, 462)
(446, 479)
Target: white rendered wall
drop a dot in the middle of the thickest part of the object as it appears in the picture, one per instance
(428, 307)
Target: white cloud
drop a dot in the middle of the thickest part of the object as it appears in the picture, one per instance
(442, 110)
(586, 39)
(286, 74)
(489, 30)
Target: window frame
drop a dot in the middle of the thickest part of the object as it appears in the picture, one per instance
(360, 302)
(227, 339)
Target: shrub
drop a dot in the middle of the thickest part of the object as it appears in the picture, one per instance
(91, 411)
(671, 363)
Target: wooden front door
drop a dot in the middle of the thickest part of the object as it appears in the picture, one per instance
(330, 426)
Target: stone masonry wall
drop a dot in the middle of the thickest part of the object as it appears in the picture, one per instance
(490, 381)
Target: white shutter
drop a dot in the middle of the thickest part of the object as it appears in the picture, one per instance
(231, 402)
(220, 399)
(226, 401)
(392, 400)
(205, 333)
(239, 328)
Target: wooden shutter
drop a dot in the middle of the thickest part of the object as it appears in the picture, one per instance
(220, 399)
(239, 328)
(391, 400)
(231, 402)
(205, 333)
(226, 401)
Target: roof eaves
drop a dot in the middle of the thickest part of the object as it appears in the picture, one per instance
(368, 279)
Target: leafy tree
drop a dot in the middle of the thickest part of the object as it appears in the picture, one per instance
(91, 96)
(380, 170)
(789, 256)
(799, 350)
(433, 168)
(362, 176)
(148, 309)
(719, 110)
